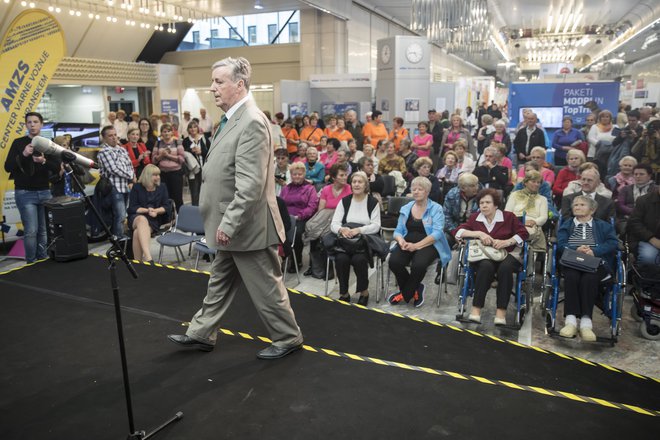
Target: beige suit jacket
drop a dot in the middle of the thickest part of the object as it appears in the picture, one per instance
(238, 184)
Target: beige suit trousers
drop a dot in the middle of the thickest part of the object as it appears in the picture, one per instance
(260, 274)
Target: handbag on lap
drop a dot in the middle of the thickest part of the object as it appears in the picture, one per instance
(579, 261)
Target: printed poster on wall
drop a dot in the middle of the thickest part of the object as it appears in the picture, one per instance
(338, 108)
(30, 52)
(411, 109)
(297, 109)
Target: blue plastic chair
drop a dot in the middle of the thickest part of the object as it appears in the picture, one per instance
(189, 227)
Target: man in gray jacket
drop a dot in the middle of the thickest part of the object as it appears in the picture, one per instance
(241, 218)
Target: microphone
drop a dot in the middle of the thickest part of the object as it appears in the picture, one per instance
(47, 146)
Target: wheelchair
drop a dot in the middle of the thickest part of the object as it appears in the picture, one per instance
(466, 286)
(645, 291)
(610, 300)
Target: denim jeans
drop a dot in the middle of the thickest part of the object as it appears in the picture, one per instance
(31, 208)
(647, 253)
(119, 205)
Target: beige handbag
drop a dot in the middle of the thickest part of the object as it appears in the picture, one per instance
(478, 251)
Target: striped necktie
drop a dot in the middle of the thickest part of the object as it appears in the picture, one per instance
(223, 122)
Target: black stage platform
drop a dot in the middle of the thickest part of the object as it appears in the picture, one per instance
(362, 374)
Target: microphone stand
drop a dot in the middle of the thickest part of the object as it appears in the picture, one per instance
(113, 254)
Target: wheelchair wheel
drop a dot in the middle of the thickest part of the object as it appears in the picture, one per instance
(651, 330)
(545, 296)
(634, 312)
(549, 323)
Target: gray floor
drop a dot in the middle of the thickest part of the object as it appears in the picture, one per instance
(632, 352)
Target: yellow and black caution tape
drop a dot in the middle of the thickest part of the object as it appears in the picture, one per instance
(459, 376)
(22, 266)
(424, 321)
(481, 335)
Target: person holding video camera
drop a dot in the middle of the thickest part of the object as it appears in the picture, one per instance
(647, 148)
(282, 174)
(30, 170)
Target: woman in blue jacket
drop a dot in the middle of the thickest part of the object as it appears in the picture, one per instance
(419, 240)
(590, 236)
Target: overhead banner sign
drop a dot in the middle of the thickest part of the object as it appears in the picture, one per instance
(339, 80)
(29, 55)
(569, 99)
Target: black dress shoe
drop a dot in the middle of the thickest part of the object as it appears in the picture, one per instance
(187, 341)
(345, 298)
(308, 272)
(363, 300)
(274, 352)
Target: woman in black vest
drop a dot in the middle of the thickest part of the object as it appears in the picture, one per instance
(359, 208)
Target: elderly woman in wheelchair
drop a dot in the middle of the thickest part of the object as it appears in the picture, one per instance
(496, 247)
(592, 239)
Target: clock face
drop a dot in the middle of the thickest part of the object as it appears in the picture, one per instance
(385, 54)
(414, 53)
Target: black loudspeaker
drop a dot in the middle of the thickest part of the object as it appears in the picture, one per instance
(66, 227)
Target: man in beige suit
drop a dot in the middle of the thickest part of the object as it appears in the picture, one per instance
(241, 219)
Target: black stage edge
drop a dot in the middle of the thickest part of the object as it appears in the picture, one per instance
(60, 375)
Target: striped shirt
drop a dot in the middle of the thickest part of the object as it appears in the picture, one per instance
(583, 234)
(116, 165)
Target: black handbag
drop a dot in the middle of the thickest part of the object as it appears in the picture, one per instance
(579, 261)
(354, 245)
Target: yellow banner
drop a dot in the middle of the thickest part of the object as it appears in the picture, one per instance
(29, 54)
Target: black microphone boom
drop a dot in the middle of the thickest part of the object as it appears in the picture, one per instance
(47, 146)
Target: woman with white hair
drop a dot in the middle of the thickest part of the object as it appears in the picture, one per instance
(594, 237)
(499, 135)
(420, 239)
(537, 154)
(357, 213)
(624, 177)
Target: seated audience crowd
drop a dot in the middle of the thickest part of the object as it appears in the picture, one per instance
(335, 175)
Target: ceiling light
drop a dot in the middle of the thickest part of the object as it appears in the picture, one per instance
(258, 5)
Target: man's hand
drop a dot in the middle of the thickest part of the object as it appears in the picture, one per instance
(28, 150)
(222, 238)
(39, 159)
(655, 242)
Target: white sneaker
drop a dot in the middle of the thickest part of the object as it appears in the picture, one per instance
(587, 335)
(499, 321)
(568, 331)
(475, 318)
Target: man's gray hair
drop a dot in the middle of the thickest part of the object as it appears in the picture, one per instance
(491, 149)
(593, 171)
(240, 69)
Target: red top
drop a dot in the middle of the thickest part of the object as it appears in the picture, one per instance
(503, 230)
(141, 150)
(564, 177)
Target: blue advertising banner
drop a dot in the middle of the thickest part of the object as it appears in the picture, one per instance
(169, 106)
(553, 101)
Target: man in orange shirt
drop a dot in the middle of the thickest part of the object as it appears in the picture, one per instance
(292, 138)
(341, 133)
(375, 130)
(398, 132)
